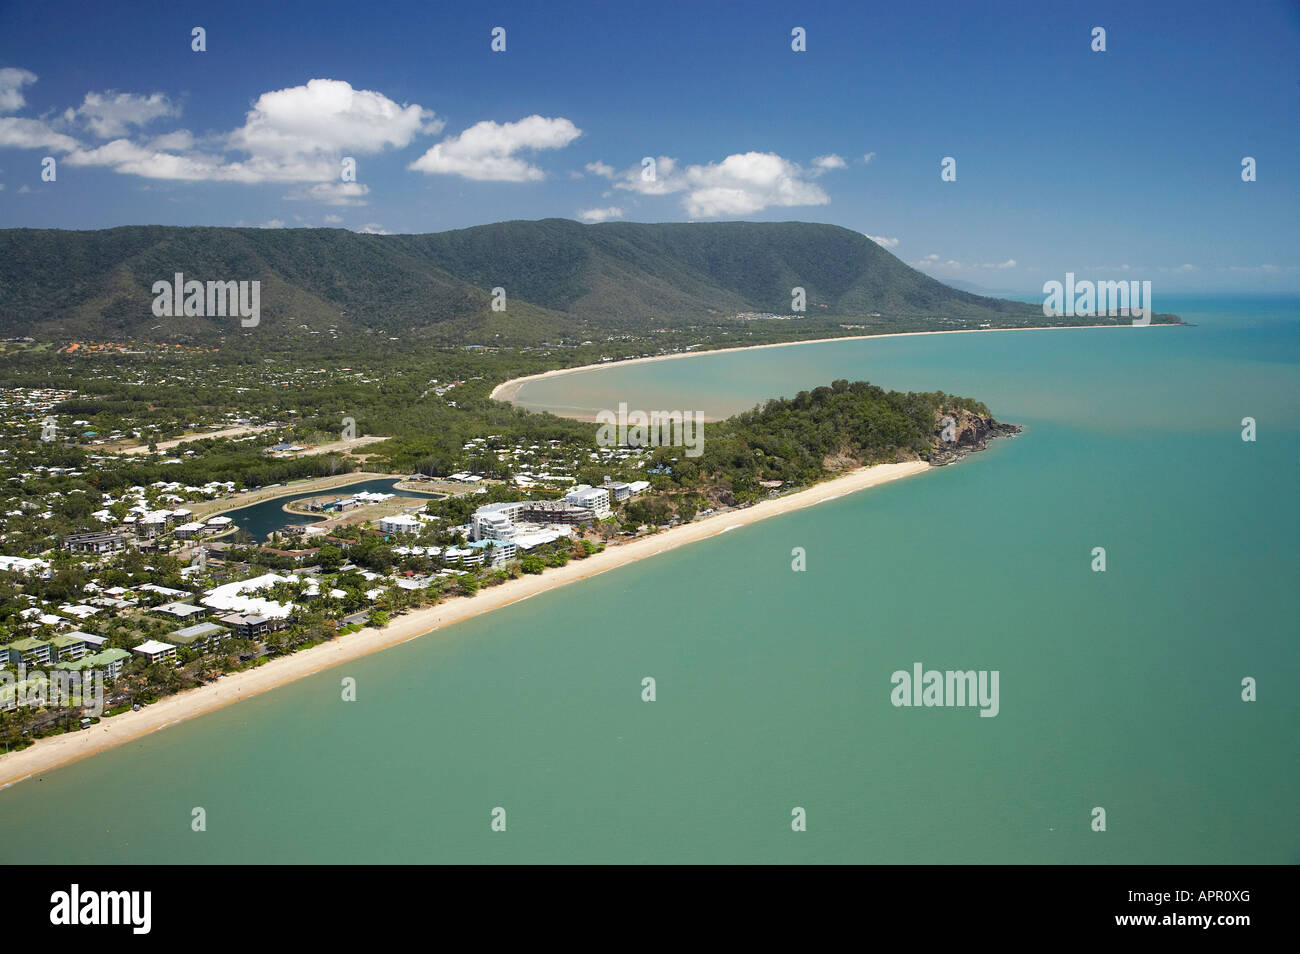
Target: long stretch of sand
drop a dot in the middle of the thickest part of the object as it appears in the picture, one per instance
(48, 753)
(509, 390)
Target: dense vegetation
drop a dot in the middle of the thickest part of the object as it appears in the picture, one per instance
(563, 280)
(798, 441)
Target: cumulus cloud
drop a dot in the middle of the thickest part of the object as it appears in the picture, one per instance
(333, 219)
(867, 157)
(178, 141)
(829, 162)
(881, 240)
(300, 134)
(485, 152)
(373, 228)
(12, 81)
(600, 215)
(329, 116)
(19, 133)
(109, 115)
(600, 169)
(740, 184)
(126, 157)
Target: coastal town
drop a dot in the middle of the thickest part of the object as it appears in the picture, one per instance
(166, 526)
(159, 588)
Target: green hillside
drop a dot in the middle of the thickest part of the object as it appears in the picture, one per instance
(560, 278)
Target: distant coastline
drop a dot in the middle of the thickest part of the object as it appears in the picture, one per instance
(508, 391)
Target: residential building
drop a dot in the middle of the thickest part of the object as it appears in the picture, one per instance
(399, 523)
(156, 651)
(109, 660)
(67, 647)
(252, 626)
(182, 611)
(595, 499)
(31, 652)
(92, 642)
(26, 566)
(108, 541)
(201, 636)
(495, 552)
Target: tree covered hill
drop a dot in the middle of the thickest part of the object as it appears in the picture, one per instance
(560, 278)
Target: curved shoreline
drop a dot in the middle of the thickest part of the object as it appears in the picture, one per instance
(508, 391)
(52, 752)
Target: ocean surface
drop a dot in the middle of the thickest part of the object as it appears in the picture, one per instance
(1119, 690)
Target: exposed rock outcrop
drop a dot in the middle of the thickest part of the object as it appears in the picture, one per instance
(960, 432)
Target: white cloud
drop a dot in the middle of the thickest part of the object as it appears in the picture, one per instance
(24, 189)
(178, 141)
(740, 184)
(18, 133)
(271, 224)
(665, 181)
(600, 215)
(333, 193)
(827, 163)
(600, 169)
(299, 134)
(485, 152)
(109, 114)
(126, 157)
(328, 117)
(333, 219)
(881, 240)
(12, 81)
(867, 157)
(373, 228)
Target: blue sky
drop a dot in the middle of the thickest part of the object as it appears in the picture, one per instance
(1123, 163)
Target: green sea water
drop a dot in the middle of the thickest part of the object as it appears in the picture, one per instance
(1120, 690)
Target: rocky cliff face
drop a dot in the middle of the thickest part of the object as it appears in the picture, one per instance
(960, 432)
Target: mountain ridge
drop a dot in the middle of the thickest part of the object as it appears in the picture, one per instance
(559, 277)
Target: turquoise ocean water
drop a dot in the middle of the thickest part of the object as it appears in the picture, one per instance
(1119, 690)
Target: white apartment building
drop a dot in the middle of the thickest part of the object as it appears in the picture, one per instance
(399, 523)
(494, 521)
(595, 499)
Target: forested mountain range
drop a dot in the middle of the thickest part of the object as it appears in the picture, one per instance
(560, 279)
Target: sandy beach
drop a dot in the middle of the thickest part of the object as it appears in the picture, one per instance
(509, 390)
(49, 753)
